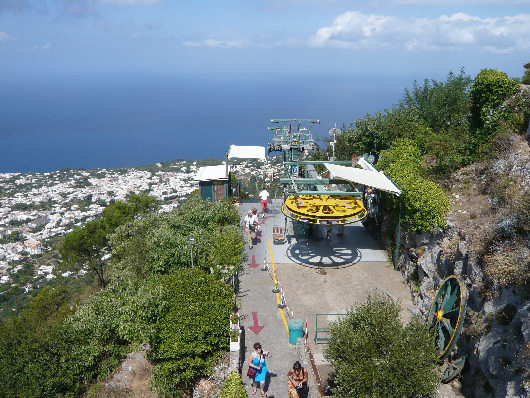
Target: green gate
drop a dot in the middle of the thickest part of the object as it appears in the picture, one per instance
(322, 332)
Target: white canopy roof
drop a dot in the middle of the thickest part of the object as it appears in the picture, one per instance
(246, 152)
(370, 178)
(208, 173)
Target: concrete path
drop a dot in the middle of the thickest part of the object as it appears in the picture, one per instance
(317, 276)
(259, 307)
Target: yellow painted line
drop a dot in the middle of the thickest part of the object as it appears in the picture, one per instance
(275, 282)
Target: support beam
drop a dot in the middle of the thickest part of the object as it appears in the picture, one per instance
(312, 181)
(318, 162)
(331, 193)
(398, 237)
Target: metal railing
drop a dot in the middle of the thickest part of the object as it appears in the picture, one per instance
(320, 331)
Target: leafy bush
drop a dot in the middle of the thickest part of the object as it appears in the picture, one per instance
(490, 89)
(160, 243)
(434, 115)
(191, 330)
(89, 340)
(56, 349)
(376, 133)
(30, 358)
(424, 202)
(233, 387)
(374, 355)
(441, 104)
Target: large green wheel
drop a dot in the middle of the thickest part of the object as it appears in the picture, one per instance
(447, 314)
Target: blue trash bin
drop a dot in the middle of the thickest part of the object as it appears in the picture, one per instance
(296, 330)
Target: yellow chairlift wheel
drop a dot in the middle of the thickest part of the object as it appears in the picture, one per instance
(324, 209)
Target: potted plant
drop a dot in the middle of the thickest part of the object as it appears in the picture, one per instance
(234, 339)
(234, 321)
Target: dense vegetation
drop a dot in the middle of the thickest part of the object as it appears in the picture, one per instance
(374, 355)
(424, 202)
(151, 294)
(148, 292)
(437, 128)
(233, 387)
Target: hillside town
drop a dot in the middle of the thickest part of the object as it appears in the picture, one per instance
(36, 208)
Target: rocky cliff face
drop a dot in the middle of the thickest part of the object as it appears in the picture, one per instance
(496, 335)
(487, 244)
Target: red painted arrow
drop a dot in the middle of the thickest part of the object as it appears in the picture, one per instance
(254, 264)
(256, 328)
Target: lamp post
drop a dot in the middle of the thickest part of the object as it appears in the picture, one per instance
(192, 241)
(334, 131)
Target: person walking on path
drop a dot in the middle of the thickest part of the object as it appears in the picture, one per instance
(256, 360)
(297, 381)
(263, 200)
(251, 225)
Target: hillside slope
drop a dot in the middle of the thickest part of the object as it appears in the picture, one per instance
(486, 243)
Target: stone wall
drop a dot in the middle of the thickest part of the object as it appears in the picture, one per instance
(496, 334)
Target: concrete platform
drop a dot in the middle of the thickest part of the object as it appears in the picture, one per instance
(317, 276)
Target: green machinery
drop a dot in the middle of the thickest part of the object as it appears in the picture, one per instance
(446, 318)
(305, 200)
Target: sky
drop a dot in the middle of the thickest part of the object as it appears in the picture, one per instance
(234, 39)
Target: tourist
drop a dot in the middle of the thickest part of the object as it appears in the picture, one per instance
(256, 360)
(251, 225)
(263, 200)
(297, 381)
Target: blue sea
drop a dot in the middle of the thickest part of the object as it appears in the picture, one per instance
(113, 120)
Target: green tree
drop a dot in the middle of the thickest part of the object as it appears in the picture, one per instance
(424, 203)
(30, 354)
(15, 236)
(444, 107)
(490, 89)
(143, 204)
(374, 355)
(376, 133)
(120, 212)
(158, 244)
(116, 214)
(85, 247)
(441, 104)
(191, 330)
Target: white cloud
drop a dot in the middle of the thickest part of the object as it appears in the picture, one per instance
(5, 37)
(229, 39)
(355, 30)
(127, 3)
(40, 47)
(237, 43)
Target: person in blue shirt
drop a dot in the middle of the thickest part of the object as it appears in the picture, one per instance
(257, 360)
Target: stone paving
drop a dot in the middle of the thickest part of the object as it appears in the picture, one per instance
(316, 275)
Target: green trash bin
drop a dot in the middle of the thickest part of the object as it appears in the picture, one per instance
(296, 330)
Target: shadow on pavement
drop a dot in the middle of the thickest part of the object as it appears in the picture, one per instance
(305, 253)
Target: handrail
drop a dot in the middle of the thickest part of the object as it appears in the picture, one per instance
(322, 330)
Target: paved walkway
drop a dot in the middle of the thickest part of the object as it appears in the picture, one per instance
(259, 307)
(317, 276)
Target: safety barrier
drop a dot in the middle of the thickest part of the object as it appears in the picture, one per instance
(278, 288)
